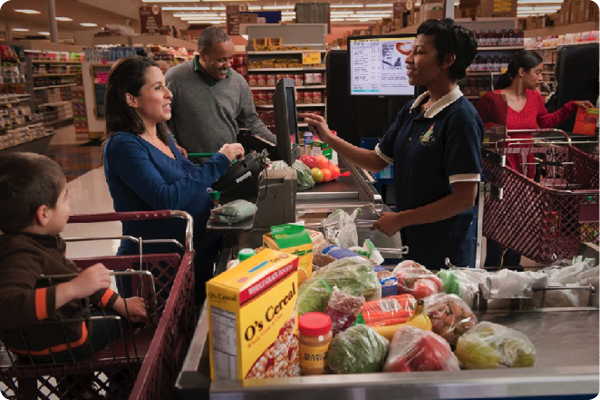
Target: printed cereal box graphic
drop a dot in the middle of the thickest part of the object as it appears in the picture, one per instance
(253, 330)
(293, 239)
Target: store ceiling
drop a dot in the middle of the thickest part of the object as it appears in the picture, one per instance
(126, 12)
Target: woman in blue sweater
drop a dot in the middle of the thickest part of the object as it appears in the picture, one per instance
(146, 171)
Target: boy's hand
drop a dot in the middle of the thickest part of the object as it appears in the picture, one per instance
(91, 280)
(135, 311)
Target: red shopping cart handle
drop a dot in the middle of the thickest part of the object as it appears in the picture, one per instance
(120, 216)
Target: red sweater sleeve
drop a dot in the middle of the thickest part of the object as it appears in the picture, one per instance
(490, 108)
(546, 120)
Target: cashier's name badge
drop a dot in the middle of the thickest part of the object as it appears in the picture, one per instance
(311, 57)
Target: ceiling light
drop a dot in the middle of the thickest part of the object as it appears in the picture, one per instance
(293, 13)
(337, 19)
(219, 8)
(203, 22)
(376, 12)
(44, 33)
(169, 1)
(27, 11)
(186, 8)
(540, 2)
(278, 7)
(229, 1)
(379, 5)
(64, 19)
(347, 6)
(20, 30)
(88, 24)
(189, 15)
(254, 8)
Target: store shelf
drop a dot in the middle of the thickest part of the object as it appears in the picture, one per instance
(265, 53)
(286, 69)
(299, 105)
(562, 30)
(48, 75)
(54, 62)
(297, 87)
(498, 48)
(54, 86)
(548, 63)
(483, 73)
(58, 103)
(547, 72)
(58, 121)
(472, 97)
(144, 40)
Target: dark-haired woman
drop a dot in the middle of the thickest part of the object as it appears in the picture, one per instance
(434, 146)
(145, 170)
(526, 110)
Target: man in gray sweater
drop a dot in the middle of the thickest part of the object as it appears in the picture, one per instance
(210, 100)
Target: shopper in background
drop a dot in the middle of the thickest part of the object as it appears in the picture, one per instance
(211, 101)
(525, 110)
(145, 171)
(434, 145)
(163, 65)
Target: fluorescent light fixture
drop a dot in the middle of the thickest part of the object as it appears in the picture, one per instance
(229, 1)
(20, 30)
(219, 8)
(64, 19)
(334, 13)
(205, 22)
(361, 15)
(538, 9)
(44, 33)
(278, 7)
(254, 8)
(378, 5)
(375, 12)
(88, 24)
(287, 13)
(170, 1)
(347, 6)
(24, 11)
(193, 15)
(337, 19)
(540, 2)
(187, 8)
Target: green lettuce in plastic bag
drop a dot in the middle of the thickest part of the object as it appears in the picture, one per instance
(450, 282)
(359, 349)
(304, 176)
(353, 275)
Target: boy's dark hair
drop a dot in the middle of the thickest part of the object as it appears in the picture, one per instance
(525, 59)
(451, 38)
(127, 76)
(209, 37)
(27, 181)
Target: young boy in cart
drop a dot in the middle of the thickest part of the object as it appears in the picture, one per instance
(34, 209)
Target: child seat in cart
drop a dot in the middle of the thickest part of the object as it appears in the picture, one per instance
(548, 207)
(144, 361)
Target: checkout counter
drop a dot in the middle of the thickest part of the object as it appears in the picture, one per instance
(566, 340)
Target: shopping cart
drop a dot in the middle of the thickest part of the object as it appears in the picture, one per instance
(146, 360)
(547, 214)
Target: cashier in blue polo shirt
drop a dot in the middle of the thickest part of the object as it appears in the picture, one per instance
(434, 148)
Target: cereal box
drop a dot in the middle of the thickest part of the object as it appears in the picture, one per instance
(292, 239)
(252, 318)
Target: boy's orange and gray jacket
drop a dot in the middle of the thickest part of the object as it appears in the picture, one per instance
(26, 301)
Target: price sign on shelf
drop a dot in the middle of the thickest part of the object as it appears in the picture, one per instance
(311, 57)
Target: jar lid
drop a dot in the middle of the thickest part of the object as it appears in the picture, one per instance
(314, 324)
(245, 254)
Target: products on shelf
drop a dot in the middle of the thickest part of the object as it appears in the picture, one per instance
(107, 54)
(505, 37)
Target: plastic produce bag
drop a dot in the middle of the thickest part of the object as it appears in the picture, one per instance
(339, 228)
(304, 176)
(369, 250)
(389, 283)
(388, 310)
(450, 282)
(488, 345)
(233, 212)
(359, 349)
(413, 349)
(415, 279)
(581, 272)
(354, 276)
(343, 309)
(450, 316)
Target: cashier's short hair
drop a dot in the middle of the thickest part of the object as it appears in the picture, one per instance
(27, 181)
(451, 38)
(127, 75)
(209, 37)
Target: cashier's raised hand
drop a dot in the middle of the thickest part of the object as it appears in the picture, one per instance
(389, 223)
(232, 151)
(585, 104)
(317, 126)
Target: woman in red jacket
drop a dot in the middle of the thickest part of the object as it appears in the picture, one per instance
(525, 110)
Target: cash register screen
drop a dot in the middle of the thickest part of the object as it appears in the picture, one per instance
(286, 120)
(377, 65)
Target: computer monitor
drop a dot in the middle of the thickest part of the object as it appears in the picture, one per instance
(377, 66)
(286, 120)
